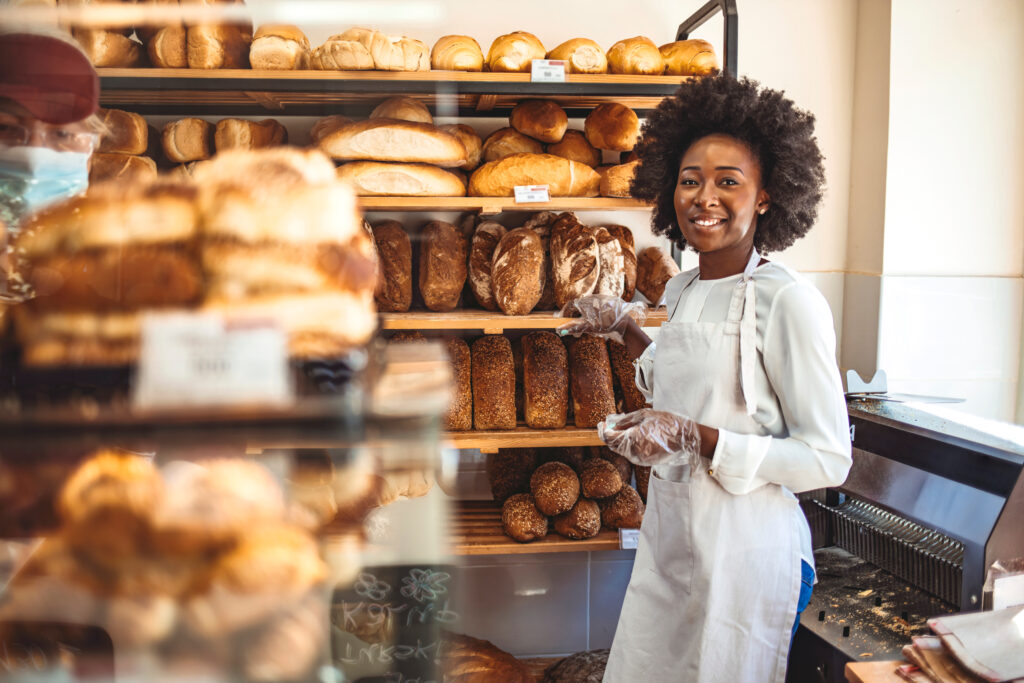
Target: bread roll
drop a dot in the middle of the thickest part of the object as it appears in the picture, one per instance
(623, 511)
(342, 52)
(563, 177)
(109, 49)
(611, 279)
(623, 466)
(187, 140)
(442, 265)
(612, 126)
(575, 260)
(459, 417)
(542, 120)
(637, 55)
(599, 479)
(391, 140)
(506, 142)
(481, 258)
(643, 478)
(402, 109)
(456, 53)
(521, 519)
(123, 167)
(394, 286)
(555, 488)
(654, 268)
(581, 56)
(168, 48)
(399, 53)
(625, 377)
(375, 179)
(514, 52)
(494, 383)
(692, 57)
(625, 238)
(616, 180)
(574, 146)
(582, 521)
(470, 140)
(220, 46)
(509, 471)
(279, 47)
(125, 132)
(242, 134)
(517, 274)
(545, 380)
(590, 373)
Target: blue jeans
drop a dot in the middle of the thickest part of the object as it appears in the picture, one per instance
(806, 586)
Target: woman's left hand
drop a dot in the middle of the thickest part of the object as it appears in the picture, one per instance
(653, 437)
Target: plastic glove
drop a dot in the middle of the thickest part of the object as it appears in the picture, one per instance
(602, 315)
(652, 437)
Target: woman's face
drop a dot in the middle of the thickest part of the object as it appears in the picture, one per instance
(719, 195)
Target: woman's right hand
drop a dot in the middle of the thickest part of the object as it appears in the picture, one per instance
(603, 316)
(652, 437)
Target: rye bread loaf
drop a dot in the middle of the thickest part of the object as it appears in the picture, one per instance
(541, 224)
(442, 265)
(611, 279)
(494, 383)
(555, 488)
(625, 377)
(459, 417)
(654, 268)
(517, 272)
(481, 257)
(625, 238)
(590, 373)
(575, 259)
(394, 284)
(545, 380)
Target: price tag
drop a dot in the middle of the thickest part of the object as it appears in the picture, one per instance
(199, 359)
(1008, 591)
(531, 193)
(629, 538)
(548, 71)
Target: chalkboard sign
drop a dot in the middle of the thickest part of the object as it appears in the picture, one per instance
(386, 626)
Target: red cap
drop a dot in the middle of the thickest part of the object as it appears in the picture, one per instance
(51, 78)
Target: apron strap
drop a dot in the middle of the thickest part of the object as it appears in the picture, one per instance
(675, 304)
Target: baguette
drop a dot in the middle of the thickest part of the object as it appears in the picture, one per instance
(375, 179)
(564, 178)
(392, 140)
(517, 274)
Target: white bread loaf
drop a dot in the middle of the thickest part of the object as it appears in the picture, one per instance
(506, 142)
(279, 47)
(342, 52)
(470, 140)
(109, 49)
(123, 167)
(242, 134)
(377, 179)
(402, 109)
(456, 53)
(125, 132)
(391, 140)
(168, 48)
(219, 46)
(563, 177)
(637, 55)
(187, 140)
(692, 57)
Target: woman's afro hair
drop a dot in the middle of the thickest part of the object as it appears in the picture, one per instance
(780, 136)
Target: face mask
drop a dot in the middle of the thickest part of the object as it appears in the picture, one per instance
(32, 177)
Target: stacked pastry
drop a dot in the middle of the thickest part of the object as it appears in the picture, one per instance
(122, 149)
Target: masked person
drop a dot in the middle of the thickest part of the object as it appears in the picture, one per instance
(748, 407)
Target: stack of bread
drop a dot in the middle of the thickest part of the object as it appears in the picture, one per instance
(193, 139)
(108, 46)
(575, 491)
(121, 154)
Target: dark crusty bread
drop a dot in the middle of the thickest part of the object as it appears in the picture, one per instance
(460, 410)
(643, 478)
(625, 467)
(573, 456)
(555, 488)
(654, 268)
(494, 383)
(394, 249)
(545, 380)
(575, 259)
(442, 265)
(582, 667)
(611, 279)
(509, 471)
(599, 479)
(521, 519)
(471, 660)
(541, 224)
(406, 336)
(625, 377)
(625, 510)
(481, 257)
(517, 272)
(590, 373)
(625, 238)
(582, 521)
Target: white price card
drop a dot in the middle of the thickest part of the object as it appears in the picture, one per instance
(629, 538)
(201, 359)
(531, 193)
(1008, 591)
(548, 71)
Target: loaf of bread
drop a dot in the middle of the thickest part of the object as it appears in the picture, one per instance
(456, 53)
(612, 126)
(581, 56)
(574, 146)
(545, 380)
(583, 666)
(623, 466)
(470, 140)
(575, 259)
(361, 49)
(394, 284)
(555, 488)
(442, 265)
(407, 337)
(643, 478)
(637, 55)
(509, 471)
(616, 180)
(109, 49)
(123, 167)
(514, 52)
(390, 140)
(342, 52)
(470, 660)
(124, 132)
(399, 53)
(692, 57)
(376, 179)
(187, 140)
(654, 268)
(625, 377)
(168, 48)
(481, 257)
(326, 125)
(542, 120)
(564, 178)
(507, 141)
(541, 224)
(582, 521)
(242, 134)
(279, 47)
(590, 374)
(611, 279)
(459, 417)
(625, 510)
(494, 383)
(599, 479)
(219, 46)
(402, 109)
(517, 272)
(625, 238)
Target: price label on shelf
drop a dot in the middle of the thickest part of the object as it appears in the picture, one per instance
(531, 193)
(201, 359)
(629, 538)
(548, 71)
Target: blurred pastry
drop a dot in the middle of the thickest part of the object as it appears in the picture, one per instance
(111, 479)
(514, 52)
(125, 168)
(136, 621)
(287, 648)
(581, 56)
(456, 53)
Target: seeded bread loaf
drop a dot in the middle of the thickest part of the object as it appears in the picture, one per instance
(460, 410)
(509, 471)
(582, 521)
(494, 383)
(555, 488)
(625, 377)
(590, 373)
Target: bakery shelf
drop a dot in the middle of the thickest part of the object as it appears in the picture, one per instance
(475, 529)
(522, 437)
(488, 321)
(488, 205)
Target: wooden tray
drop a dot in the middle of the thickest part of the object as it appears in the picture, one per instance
(476, 530)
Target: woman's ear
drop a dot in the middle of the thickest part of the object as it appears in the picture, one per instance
(764, 202)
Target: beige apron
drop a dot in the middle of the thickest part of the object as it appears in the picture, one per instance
(715, 582)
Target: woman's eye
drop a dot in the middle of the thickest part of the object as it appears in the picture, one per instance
(729, 181)
(688, 181)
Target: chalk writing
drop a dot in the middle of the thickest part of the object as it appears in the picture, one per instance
(369, 586)
(424, 584)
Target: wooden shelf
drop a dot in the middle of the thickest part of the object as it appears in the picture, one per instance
(476, 530)
(522, 437)
(489, 205)
(487, 321)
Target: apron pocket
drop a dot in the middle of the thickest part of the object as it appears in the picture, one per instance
(667, 531)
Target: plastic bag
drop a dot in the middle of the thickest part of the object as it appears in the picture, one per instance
(652, 437)
(601, 315)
